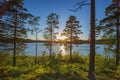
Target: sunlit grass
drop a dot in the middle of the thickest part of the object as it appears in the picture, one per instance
(58, 68)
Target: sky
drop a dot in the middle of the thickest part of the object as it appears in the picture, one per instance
(43, 8)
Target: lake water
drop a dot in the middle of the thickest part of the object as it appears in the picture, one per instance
(83, 49)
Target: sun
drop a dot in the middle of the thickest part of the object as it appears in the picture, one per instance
(61, 37)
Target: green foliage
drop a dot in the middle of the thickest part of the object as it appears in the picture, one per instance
(59, 68)
(35, 30)
(71, 31)
(117, 73)
(109, 26)
(5, 59)
(12, 27)
(49, 32)
(105, 68)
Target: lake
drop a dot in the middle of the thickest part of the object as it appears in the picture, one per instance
(83, 49)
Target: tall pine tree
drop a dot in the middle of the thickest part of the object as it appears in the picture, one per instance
(15, 22)
(35, 30)
(72, 30)
(110, 26)
(49, 32)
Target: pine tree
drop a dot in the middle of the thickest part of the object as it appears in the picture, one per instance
(15, 20)
(71, 31)
(4, 7)
(49, 32)
(35, 30)
(110, 26)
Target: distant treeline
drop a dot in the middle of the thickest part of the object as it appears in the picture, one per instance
(100, 41)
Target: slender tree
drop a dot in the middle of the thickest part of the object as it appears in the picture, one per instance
(35, 30)
(16, 20)
(110, 26)
(91, 74)
(71, 31)
(49, 32)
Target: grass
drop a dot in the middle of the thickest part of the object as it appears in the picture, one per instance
(59, 68)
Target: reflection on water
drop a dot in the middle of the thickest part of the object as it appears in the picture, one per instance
(82, 49)
(62, 50)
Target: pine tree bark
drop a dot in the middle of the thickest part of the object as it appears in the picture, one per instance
(71, 45)
(14, 56)
(36, 49)
(50, 56)
(91, 74)
(117, 36)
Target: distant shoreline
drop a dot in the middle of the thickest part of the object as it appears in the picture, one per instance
(100, 41)
(67, 42)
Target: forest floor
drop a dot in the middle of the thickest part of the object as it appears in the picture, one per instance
(58, 68)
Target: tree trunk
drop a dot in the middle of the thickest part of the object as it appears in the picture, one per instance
(70, 51)
(36, 50)
(71, 44)
(51, 45)
(117, 36)
(91, 74)
(14, 56)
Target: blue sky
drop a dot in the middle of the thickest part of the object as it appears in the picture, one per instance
(43, 8)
